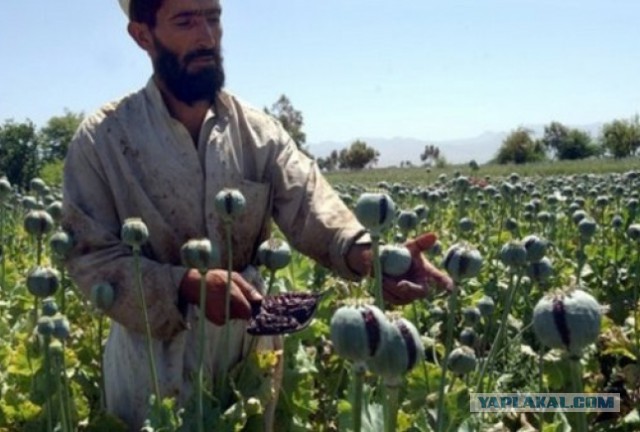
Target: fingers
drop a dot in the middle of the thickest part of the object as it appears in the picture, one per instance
(248, 290)
(403, 292)
(421, 243)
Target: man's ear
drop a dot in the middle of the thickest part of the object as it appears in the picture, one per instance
(141, 34)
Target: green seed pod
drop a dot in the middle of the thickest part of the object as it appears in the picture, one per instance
(544, 217)
(407, 220)
(462, 360)
(134, 232)
(357, 332)
(49, 307)
(540, 271)
(421, 211)
(375, 211)
(31, 203)
(37, 185)
(471, 315)
(617, 222)
(513, 254)
(43, 281)
(38, 223)
(230, 203)
(466, 225)
(45, 326)
(511, 224)
(602, 201)
(578, 215)
(61, 329)
(102, 296)
(61, 244)
(5, 188)
(395, 260)
(436, 313)
(55, 210)
(435, 250)
(568, 320)
(274, 254)
(633, 232)
(486, 306)
(536, 247)
(199, 254)
(587, 228)
(400, 351)
(468, 337)
(462, 262)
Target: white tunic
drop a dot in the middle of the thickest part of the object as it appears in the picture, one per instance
(132, 159)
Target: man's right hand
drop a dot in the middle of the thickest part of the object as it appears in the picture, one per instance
(242, 293)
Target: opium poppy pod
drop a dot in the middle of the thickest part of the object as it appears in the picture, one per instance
(229, 203)
(513, 254)
(61, 244)
(61, 330)
(49, 307)
(395, 260)
(540, 271)
(401, 350)
(5, 188)
(633, 232)
(134, 232)
(536, 247)
(45, 326)
(199, 254)
(357, 332)
(407, 220)
(274, 254)
(55, 210)
(462, 262)
(486, 306)
(43, 281)
(102, 295)
(568, 320)
(38, 223)
(462, 360)
(375, 211)
(37, 185)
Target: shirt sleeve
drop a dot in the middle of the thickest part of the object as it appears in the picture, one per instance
(309, 211)
(90, 215)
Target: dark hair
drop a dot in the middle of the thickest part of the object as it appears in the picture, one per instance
(144, 11)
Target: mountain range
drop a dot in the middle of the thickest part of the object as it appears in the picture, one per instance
(480, 148)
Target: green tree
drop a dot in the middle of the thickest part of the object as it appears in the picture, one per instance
(358, 156)
(621, 138)
(430, 154)
(56, 135)
(19, 152)
(329, 163)
(520, 147)
(568, 144)
(290, 118)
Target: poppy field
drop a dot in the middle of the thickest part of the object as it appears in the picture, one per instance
(546, 275)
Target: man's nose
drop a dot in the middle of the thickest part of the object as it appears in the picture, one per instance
(208, 33)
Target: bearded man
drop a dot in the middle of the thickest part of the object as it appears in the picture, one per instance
(162, 154)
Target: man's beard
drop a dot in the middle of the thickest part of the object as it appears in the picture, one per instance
(189, 87)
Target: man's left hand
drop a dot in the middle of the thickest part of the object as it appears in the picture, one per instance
(421, 277)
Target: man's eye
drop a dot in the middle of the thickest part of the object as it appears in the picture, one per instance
(183, 23)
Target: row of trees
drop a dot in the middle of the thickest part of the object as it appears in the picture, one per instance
(619, 139)
(25, 150)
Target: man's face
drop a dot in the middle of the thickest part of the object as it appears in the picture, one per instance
(186, 49)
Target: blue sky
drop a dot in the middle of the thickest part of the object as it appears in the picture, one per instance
(356, 68)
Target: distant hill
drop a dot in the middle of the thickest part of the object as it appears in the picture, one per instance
(395, 150)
